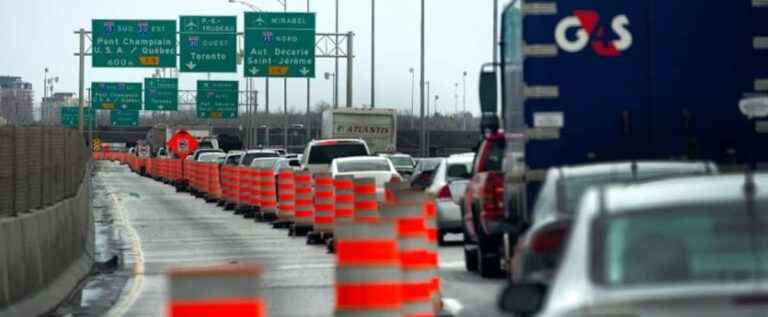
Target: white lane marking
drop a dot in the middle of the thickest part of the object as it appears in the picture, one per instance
(452, 306)
(131, 292)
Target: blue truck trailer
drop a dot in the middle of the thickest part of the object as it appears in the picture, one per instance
(595, 81)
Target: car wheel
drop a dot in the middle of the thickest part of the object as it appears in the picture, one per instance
(488, 265)
(470, 256)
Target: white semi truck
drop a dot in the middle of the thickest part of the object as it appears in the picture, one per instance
(377, 127)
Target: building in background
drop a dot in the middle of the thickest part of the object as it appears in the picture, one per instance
(16, 100)
(49, 108)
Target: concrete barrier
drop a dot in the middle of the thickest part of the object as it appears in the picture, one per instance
(44, 255)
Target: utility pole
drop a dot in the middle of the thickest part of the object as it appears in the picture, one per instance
(285, 98)
(81, 80)
(373, 54)
(413, 114)
(423, 139)
(495, 28)
(308, 120)
(464, 102)
(336, 62)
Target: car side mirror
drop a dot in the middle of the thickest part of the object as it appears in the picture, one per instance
(523, 299)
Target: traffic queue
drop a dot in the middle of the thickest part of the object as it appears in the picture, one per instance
(384, 234)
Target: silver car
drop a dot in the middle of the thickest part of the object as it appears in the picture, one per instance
(691, 246)
(448, 185)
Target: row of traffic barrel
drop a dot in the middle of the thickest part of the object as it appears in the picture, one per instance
(385, 243)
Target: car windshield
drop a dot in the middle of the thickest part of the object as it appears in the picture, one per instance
(429, 164)
(363, 166)
(207, 158)
(704, 243)
(458, 171)
(325, 154)
(201, 152)
(249, 157)
(401, 160)
(233, 160)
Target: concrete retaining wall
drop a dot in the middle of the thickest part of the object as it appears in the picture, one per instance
(44, 254)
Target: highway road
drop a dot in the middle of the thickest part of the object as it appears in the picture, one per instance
(153, 228)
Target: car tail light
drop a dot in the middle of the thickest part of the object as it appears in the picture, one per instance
(549, 241)
(445, 193)
(395, 179)
(493, 197)
(329, 142)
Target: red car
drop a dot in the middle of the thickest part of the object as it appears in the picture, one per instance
(483, 208)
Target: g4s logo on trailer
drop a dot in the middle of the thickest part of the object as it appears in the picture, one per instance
(590, 31)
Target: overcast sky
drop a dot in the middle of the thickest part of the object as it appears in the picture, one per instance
(39, 33)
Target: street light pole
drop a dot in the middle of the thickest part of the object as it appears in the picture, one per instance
(285, 96)
(464, 102)
(373, 54)
(413, 115)
(336, 62)
(423, 139)
(308, 120)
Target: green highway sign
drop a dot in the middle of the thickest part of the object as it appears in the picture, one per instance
(111, 96)
(161, 94)
(279, 44)
(70, 116)
(217, 99)
(208, 44)
(134, 43)
(124, 118)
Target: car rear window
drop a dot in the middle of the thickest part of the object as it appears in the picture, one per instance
(325, 154)
(363, 166)
(201, 152)
(248, 158)
(233, 160)
(401, 160)
(458, 170)
(706, 243)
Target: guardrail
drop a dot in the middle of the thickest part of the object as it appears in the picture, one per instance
(39, 166)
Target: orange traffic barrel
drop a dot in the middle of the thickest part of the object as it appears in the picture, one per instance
(226, 183)
(368, 276)
(286, 192)
(237, 185)
(268, 197)
(366, 203)
(305, 204)
(325, 206)
(228, 290)
(215, 182)
(415, 252)
(205, 177)
(345, 199)
(430, 212)
(246, 188)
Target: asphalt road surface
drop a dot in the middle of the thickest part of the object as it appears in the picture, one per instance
(153, 228)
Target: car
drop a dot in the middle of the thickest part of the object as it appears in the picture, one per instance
(375, 167)
(319, 154)
(424, 172)
(251, 155)
(448, 186)
(404, 163)
(198, 152)
(212, 157)
(233, 158)
(538, 251)
(692, 246)
(482, 208)
(208, 143)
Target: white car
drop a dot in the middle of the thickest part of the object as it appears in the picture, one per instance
(448, 186)
(319, 154)
(212, 157)
(379, 168)
(693, 246)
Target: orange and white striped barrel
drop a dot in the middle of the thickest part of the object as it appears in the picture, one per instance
(256, 189)
(286, 191)
(246, 186)
(205, 177)
(366, 203)
(368, 276)
(230, 290)
(415, 252)
(268, 197)
(226, 183)
(430, 212)
(215, 182)
(325, 204)
(237, 185)
(345, 199)
(305, 204)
